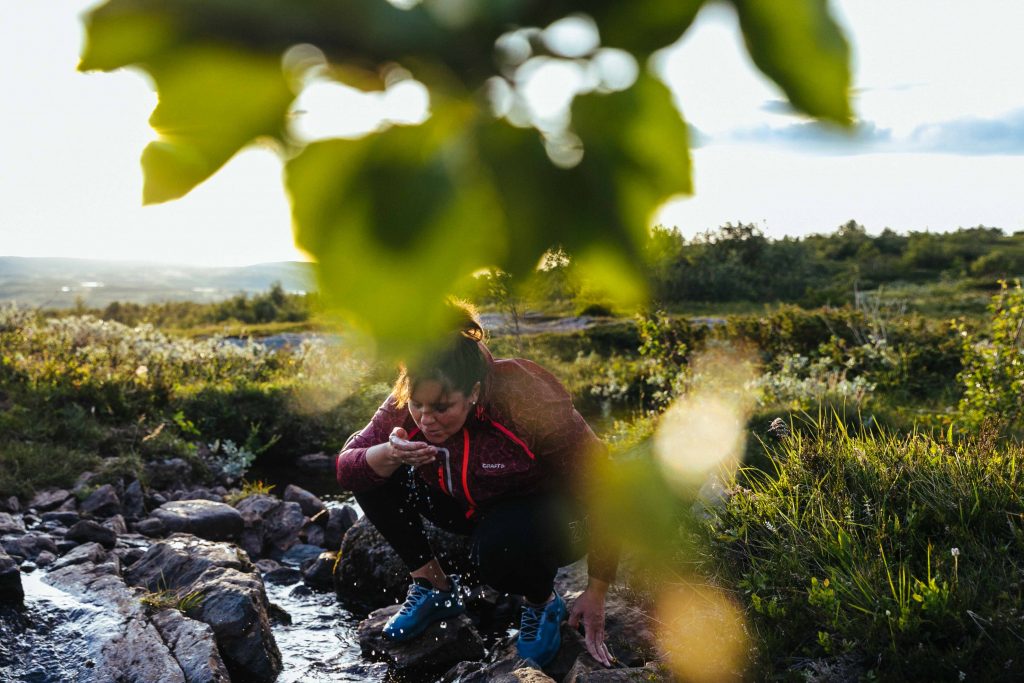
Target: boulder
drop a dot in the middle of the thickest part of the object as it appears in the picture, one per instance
(587, 670)
(442, 645)
(88, 531)
(50, 499)
(371, 573)
(45, 559)
(10, 524)
(193, 645)
(116, 524)
(168, 474)
(10, 504)
(203, 518)
(28, 546)
(103, 502)
(310, 504)
(505, 671)
(11, 592)
(319, 574)
(204, 493)
(300, 555)
(315, 463)
(284, 576)
(313, 534)
(281, 528)
(231, 599)
(133, 504)
(339, 520)
(63, 517)
(151, 526)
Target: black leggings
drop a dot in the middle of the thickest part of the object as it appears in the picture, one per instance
(517, 544)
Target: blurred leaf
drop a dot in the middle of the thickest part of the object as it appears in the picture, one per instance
(395, 220)
(798, 45)
(213, 101)
(645, 26)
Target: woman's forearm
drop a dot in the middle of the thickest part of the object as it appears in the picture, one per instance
(381, 459)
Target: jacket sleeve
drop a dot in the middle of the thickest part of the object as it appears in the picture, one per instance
(566, 448)
(352, 470)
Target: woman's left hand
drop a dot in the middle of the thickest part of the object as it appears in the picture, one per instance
(589, 607)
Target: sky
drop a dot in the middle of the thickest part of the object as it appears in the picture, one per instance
(939, 96)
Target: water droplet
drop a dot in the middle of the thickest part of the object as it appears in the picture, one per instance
(444, 624)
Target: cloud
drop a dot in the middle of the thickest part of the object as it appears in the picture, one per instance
(813, 137)
(972, 135)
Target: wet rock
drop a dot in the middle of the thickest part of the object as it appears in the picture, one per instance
(267, 565)
(50, 499)
(103, 502)
(281, 528)
(315, 463)
(134, 502)
(151, 526)
(45, 559)
(10, 524)
(284, 576)
(87, 552)
(441, 646)
(88, 531)
(310, 504)
(319, 574)
(232, 599)
(313, 534)
(193, 645)
(370, 572)
(62, 517)
(129, 556)
(203, 518)
(339, 520)
(300, 554)
(64, 546)
(11, 592)
(505, 671)
(28, 546)
(587, 670)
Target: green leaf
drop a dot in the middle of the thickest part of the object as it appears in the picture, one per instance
(213, 102)
(395, 220)
(798, 45)
(643, 26)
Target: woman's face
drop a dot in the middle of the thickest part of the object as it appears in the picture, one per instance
(438, 413)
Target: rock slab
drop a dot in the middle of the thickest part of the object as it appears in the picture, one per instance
(203, 518)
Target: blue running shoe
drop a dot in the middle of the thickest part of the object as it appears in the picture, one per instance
(424, 605)
(540, 632)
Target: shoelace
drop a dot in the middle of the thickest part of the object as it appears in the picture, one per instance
(529, 627)
(416, 595)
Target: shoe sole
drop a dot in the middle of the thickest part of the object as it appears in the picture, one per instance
(410, 633)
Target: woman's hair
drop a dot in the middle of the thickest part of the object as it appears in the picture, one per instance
(458, 364)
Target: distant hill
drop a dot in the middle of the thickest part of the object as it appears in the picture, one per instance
(60, 282)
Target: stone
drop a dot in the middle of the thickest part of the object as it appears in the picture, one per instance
(284, 576)
(129, 556)
(203, 518)
(371, 573)
(339, 520)
(281, 528)
(10, 504)
(300, 554)
(151, 527)
(319, 575)
(28, 546)
(442, 645)
(585, 671)
(116, 524)
(193, 645)
(103, 502)
(168, 474)
(310, 504)
(203, 493)
(133, 504)
(267, 565)
(313, 534)
(45, 559)
(10, 524)
(232, 599)
(88, 531)
(50, 499)
(11, 592)
(315, 463)
(64, 517)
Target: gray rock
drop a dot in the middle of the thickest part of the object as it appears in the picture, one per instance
(319, 575)
(301, 554)
(11, 592)
(10, 524)
(315, 463)
(134, 502)
(103, 502)
(504, 671)
(28, 546)
(231, 599)
(281, 528)
(45, 559)
(339, 520)
(10, 504)
(116, 524)
(587, 670)
(284, 576)
(310, 504)
(267, 565)
(63, 517)
(313, 534)
(87, 552)
(193, 645)
(442, 645)
(370, 572)
(203, 493)
(203, 518)
(151, 526)
(129, 556)
(168, 474)
(50, 499)
(88, 531)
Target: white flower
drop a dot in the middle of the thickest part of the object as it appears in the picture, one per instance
(955, 552)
